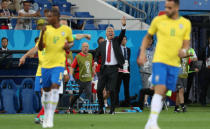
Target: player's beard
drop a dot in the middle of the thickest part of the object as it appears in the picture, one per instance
(171, 15)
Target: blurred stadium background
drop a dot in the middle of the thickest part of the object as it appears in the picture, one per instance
(92, 17)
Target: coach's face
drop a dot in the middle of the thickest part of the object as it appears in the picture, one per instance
(171, 8)
(110, 33)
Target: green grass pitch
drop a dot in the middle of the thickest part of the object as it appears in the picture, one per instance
(195, 118)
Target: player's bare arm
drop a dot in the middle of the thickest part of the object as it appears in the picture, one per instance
(41, 45)
(185, 47)
(29, 53)
(145, 43)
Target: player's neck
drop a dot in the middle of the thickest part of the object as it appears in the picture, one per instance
(175, 17)
(56, 25)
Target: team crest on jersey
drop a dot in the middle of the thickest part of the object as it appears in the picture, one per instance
(63, 33)
(181, 26)
(157, 78)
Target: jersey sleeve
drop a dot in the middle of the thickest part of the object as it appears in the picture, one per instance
(69, 35)
(74, 64)
(153, 27)
(188, 31)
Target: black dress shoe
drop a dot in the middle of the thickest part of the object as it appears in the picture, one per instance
(101, 111)
(112, 112)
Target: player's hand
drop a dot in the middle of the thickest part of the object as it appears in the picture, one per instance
(22, 61)
(67, 46)
(88, 37)
(142, 59)
(182, 53)
(123, 21)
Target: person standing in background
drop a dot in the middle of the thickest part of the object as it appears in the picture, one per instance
(124, 74)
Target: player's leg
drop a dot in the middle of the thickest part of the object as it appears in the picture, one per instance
(178, 86)
(174, 83)
(176, 109)
(56, 79)
(181, 94)
(75, 97)
(159, 81)
(37, 90)
(46, 97)
(88, 91)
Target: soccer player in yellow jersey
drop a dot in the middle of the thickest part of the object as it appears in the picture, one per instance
(173, 39)
(53, 39)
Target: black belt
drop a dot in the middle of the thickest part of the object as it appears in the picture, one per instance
(110, 66)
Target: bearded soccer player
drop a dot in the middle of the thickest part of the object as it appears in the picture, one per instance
(173, 34)
(53, 39)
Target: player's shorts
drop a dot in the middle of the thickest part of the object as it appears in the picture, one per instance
(52, 76)
(181, 83)
(163, 74)
(38, 83)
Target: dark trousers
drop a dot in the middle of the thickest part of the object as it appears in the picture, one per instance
(108, 77)
(83, 87)
(143, 92)
(189, 85)
(205, 83)
(125, 77)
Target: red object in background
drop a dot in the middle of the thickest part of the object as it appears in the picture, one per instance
(98, 67)
(4, 27)
(173, 97)
(161, 13)
(93, 89)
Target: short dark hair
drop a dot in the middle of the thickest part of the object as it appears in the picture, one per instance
(46, 10)
(4, 38)
(99, 39)
(175, 1)
(55, 12)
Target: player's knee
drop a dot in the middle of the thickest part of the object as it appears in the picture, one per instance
(160, 89)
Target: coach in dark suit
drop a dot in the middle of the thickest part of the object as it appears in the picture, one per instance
(112, 59)
(124, 74)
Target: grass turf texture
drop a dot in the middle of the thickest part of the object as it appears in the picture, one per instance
(195, 118)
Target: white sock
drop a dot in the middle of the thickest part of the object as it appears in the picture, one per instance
(53, 102)
(105, 103)
(46, 98)
(156, 107)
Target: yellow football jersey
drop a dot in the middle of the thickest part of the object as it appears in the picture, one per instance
(40, 57)
(54, 40)
(170, 36)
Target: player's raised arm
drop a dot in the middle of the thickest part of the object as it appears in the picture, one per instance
(41, 44)
(81, 36)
